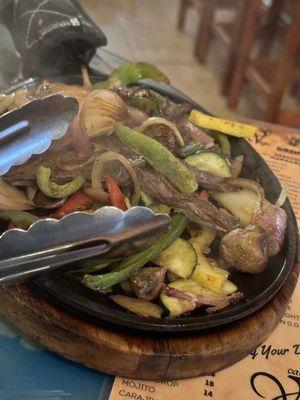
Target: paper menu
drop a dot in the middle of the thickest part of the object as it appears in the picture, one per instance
(281, 150)
(272, 371)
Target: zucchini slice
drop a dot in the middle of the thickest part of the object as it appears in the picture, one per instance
(203, 240)
(175, 306)
(215, 267)
(229, 288)
(190, 286)
(207, 273)
(211, 162)
(140, 307)
(209, 277)
(180, 258)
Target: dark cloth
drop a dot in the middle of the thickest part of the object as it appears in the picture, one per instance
(52, 36)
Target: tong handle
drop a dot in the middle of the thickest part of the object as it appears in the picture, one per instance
(19, 268)
(20, 271)
(14, 130)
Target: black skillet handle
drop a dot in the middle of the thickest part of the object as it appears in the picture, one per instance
(53, 38)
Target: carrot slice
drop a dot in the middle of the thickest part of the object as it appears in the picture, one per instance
(76, 202)
(115, 194)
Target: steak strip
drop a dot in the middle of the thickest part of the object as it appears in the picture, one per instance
(211, 182)
(199, 211)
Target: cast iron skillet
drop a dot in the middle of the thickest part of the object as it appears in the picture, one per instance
(258, 289)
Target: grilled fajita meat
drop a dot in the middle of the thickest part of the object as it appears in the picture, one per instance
(211, 182)
(167, 108)
(199, 211)
(190, 131)
(148, 282)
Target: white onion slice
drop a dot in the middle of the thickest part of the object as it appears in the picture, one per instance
(12, 198)
(244, 183)
(71, 167)
(97, 194)
(283, 195)
(98, 168)
(100, 111)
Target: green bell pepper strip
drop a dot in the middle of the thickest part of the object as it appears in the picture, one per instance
(129, 73)
(159, 157)
(147, 105)
(179, 223)
(94, 265)
(21, 219)
(222, 140)
(52, 189)
(131, 265)
(133, 72)
(190, 149)
(100, 85)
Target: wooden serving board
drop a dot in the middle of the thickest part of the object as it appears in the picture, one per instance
(141, 356)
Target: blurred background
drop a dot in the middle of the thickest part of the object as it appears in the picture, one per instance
(234, 57)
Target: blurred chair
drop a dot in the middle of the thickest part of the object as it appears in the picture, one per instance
(228, 33)
(269, 77)
(253, 19)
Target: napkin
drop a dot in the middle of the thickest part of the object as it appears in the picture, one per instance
(52, 36)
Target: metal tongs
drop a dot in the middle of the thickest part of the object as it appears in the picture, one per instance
(31, 128)
(49, 243)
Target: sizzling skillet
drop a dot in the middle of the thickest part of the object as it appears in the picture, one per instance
(258, 290)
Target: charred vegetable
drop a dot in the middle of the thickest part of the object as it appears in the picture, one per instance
(223, 142)
(52, 189)
(211, 162)
(133, 264)
(141, 307)
(240, 203)
(232, 128)
(100, 111)
(129, 73)
(78, 201)
(13, 199)
(159, 158)
(245, 249)
(19, 219)
(180, 258)
(273, 220)
(190, 149)
(185, 295)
